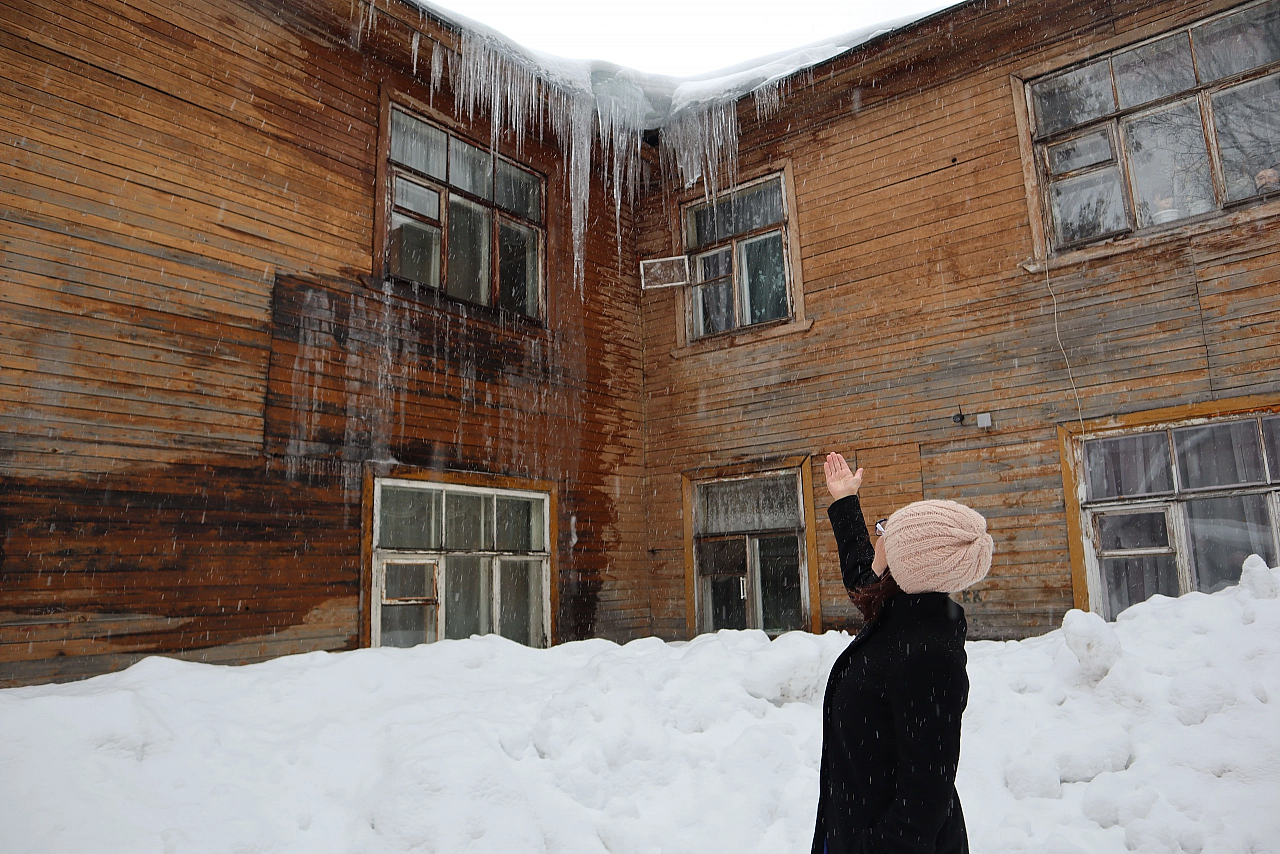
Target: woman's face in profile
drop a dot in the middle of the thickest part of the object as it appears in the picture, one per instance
(879, 563)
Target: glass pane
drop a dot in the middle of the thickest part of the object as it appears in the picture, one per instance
(1218, 455)
(780, 603)
(764, 278)
(466, 596)
(722, 557)
(407, 625)
(467, 521)
(1169, 164)
(1247, 120)
(470, 232)
(417, 198)
(470, 168)
(519, 191)
(713, 308)
(1225, 531)
(417, 144)
(1271, 438)
(521, 524)
(755, 207)
(1153, 71)
(409, 580)
(753, 504)
(1128, 465)
(517, 268)
(1130, 580)
(520, 601)
(409, 518)
(728, 606)
(1088, 150)
(1132, 531)
(1073, 98)
(415, 251)
(1238, 42)
(713, 265)
(1088, 206)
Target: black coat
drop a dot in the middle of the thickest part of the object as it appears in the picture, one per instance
(891, 719)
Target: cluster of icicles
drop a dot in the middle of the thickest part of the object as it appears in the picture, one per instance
(591, 110)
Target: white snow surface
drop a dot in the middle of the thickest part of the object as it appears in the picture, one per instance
(1158, 733)
(662, 97)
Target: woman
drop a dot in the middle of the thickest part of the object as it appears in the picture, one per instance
(895, 697)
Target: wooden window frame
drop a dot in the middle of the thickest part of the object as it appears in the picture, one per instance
(801, 467)
(1086, 578)
(388, 172)
(1033, 149)
(795, 321)
(372, 556)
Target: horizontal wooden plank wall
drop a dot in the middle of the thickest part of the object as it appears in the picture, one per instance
(178, 182)
(912, 222)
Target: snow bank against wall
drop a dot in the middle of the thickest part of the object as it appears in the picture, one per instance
(1159, 733)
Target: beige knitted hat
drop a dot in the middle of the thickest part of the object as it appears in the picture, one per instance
(937, 546)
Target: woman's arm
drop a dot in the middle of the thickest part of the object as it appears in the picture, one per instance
(845, 513)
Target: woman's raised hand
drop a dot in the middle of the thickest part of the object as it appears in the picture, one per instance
(841, 482)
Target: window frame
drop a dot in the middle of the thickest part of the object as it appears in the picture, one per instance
(390, 171)
(794, 319)
(376, 557)
(1084, 511)
(697, 599)
(1035, 146)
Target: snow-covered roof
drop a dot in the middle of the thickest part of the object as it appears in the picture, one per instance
(661, 98)
(581, 100)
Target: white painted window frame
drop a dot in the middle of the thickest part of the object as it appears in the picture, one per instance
(494, 557)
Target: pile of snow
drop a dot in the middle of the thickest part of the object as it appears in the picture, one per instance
(1157, 733)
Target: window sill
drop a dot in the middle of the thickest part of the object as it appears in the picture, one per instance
(1208, 223)
(746, 336)
(426, 296)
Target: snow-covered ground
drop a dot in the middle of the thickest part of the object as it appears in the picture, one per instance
(1160, 733)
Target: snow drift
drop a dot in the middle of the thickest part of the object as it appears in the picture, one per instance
(1157, 733)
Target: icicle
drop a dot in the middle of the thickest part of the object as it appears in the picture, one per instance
(768, 100)
(413, 49)
(703, 144)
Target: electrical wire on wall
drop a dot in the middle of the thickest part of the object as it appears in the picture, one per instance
(1056, 334)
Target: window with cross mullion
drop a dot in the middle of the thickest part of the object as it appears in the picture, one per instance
(1176, 127)
(738, 248)
(463, 220)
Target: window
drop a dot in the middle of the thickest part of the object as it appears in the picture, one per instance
(1180, 508)
(455, 561)
(750, 554)
(738, 252)
(1176, 127)
(463, 220)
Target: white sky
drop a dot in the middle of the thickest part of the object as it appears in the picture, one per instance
(678, 37)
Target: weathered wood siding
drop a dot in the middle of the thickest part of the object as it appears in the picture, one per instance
(183, 186)
(912, 223)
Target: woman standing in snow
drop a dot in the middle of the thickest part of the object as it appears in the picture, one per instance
(895, 697)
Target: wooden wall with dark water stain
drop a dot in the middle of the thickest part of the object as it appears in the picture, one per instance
(195, 366)
(912, 221)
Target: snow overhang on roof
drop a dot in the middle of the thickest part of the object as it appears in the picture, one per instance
(579, 100)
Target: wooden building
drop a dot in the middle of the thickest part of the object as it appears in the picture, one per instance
(298, 352)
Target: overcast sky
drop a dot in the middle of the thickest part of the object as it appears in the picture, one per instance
(678, 37)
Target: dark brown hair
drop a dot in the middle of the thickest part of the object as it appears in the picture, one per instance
(871, 598)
